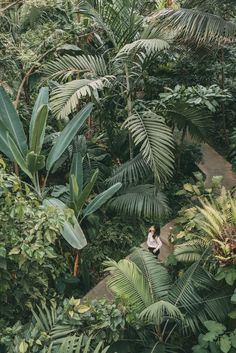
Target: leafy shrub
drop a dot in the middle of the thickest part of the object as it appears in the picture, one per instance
(49, 327)
(30, 255)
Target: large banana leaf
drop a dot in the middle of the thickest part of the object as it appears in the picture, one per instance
(4, 147)
(41, 100)
(77, 169)
(17, 156)
(11, 121)
(72, 233)
(67, 135)
(37, 137)
(101, 199)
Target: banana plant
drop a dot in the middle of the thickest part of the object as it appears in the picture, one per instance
(80, 193)
(29, 157)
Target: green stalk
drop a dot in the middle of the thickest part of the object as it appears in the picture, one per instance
(129, 109)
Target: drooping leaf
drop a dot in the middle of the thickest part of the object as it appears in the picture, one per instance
(67, 135)
(11, 121)
(72, 233)
(17, 156)
(4, 147)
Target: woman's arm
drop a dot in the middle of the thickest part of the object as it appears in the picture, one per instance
(159, 244)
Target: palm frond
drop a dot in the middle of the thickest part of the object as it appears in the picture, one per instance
(155, 274)
(155, 139)
(191, 251)
(193, 26)
(73, 344)
(66, 66)
(65, 98)
(198, 122)
(141, 201)
(131, 172)
(161, 311)
(150, 46)
(127, 282)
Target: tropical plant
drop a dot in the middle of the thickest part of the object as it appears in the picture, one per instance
(31, 256)
(195, 25)
(71, 327)
(215, 222)
(147, 288)
(14, 141)
(121, 67)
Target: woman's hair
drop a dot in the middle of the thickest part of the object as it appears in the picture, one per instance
(156, 231)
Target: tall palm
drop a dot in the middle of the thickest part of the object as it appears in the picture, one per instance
(155, 299)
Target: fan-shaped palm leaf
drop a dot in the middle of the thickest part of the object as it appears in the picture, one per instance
(155, 139)
(191, 251)
(155, 274)
(160, 311)
(127, 281)
(193, 26)
(65, 66)
(131, 172)
(65, 98)
(142, 201)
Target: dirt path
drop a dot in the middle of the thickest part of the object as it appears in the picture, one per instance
(212, 164)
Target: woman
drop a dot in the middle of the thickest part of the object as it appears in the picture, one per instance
(154, 242)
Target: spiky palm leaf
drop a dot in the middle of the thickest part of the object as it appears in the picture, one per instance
(191, 251)
(161, 311)
(66, 66)
(65, 98)
(119, 19)
(127, 282)
(197, 122)
(141, 201)
(155, 274)
(131, 172)
(193, 26)
(150, 46)
(153, 136)
(75, 345)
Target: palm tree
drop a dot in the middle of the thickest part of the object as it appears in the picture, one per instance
(217, 232)
(148, 289)
(121, 67)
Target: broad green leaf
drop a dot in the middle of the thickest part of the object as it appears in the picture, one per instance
(42, 99)
(67, 135)
(4, 148)
(214, 326)
(72, 233)
(11, 121)
(23, 347)
(17, 156)
(77, 169)
(225, 344)
(101, 199)
(37, 136)
(83, 196)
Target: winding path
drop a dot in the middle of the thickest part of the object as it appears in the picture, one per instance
(212, 164)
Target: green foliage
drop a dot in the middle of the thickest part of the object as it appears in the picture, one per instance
(30, 255)
(53, 328)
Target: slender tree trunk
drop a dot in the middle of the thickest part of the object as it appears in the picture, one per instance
(129, 109)
(181, 146)
(223, 87)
